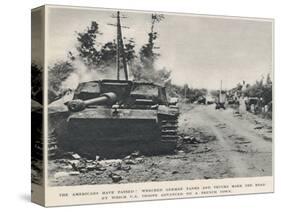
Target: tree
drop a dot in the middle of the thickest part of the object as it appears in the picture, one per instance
(268, 80)
(87, 47)
(108, 53)
(57, 74)
(144, 68)
(100, 57)
(261, 89)
(147, 53)
(129, 49)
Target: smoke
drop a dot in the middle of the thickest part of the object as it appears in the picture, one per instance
(83, 74)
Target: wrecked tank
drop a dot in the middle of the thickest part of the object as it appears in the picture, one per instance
(113, 118)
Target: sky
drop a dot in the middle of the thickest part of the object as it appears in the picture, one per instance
(199, 50)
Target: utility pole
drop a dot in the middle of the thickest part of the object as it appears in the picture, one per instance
(117, 47)
(120, 48)
(185, 92)
(220, 91)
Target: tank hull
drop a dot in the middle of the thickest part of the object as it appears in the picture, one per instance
(111, 133)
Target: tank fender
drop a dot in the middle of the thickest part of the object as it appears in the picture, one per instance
(165, 110)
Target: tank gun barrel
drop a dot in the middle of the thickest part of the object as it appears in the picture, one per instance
(79, 105)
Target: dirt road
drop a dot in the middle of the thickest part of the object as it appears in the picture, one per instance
(213, 144)
(241, 144)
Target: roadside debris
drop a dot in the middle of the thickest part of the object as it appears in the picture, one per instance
(242, 142)
(130, 162)
(120, 166)
(221, 125)
(60, 174)
(115, 177)
(190, 139)
(204, 150)
(74, 173)
(139, 159)
(135, 154)
(258, 127)
(240, 150)
(76, 156)
(133, 158)
(237, 114)
(201, 153)
(91, 167)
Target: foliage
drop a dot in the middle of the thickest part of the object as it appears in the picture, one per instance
(185, 92)
(87, 47)
(261, 89)
(58, 73)
(103, 58)
(147, 53)
(99, 57)
(36, 82)
(144, 68)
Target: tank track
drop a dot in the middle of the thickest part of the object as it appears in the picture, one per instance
(169, 129)
(37, 150)
(52, 145)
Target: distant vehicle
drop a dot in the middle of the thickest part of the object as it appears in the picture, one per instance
(231, 101)
(210, 100)
(252, 104)
(201, 100)
(221, 100)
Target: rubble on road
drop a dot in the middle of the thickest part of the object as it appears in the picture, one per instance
(115, 177)
(130, 162)
(91, 167)
(74, 173)
(240, 150)
(120, 166)
(135, 154)
(258, 127)
(74, 165)
(60, 174)
(204, 150)
(242, 142)
(191, 140)
(139, 159)
(221, 125)
(180, 151)
(211, 147)
(76, 156)
(133, 158)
